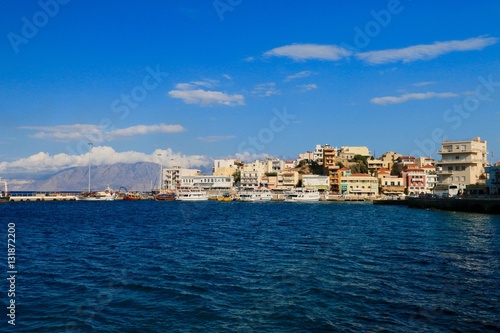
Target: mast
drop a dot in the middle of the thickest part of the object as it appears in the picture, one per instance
(161, 173)
(90, 152)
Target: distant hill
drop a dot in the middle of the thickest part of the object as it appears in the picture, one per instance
(138, 177)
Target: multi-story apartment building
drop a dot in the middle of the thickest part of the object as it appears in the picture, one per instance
(226, 167)
(287, 179)
(274, 164)
(330, 168)
(250, 179)
(375, 165)
(359, 184)
(318, 153)
(348, 152)
(172, 177)
(390, 184)
(430, 172)
(308, 155)
(462, 162)
(388, 159)
(329, 157)
(415, 181)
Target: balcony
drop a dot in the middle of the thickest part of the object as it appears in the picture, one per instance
(462, 161)
(444, 172)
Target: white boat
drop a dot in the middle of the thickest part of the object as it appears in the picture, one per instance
(4, 196)
(255, 195)
(192, 195)
(300, 194)
(106, 195)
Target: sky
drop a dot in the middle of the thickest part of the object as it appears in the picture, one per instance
(186, 82)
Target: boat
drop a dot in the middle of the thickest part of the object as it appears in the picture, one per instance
(167, 196)
(226, 196)
(255, 195)
(105, 195)
(132, 196)
(301, 194)
(192, 195)
(4, 196)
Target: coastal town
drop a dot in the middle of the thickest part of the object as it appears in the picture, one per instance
(346, 173)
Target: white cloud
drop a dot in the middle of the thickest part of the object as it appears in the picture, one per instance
(207, 97)
(191, 93)
(249, 157)
(307, 87)
(101, 155)
(216, 138)
(425, 51)
(298, 75)
(265, 89)
(301, 52)
(422, 84)
(96, 133)
(411, 96)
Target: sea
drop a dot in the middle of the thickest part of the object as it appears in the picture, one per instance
(147, 266)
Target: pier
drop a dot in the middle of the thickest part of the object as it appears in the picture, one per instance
(471, 205)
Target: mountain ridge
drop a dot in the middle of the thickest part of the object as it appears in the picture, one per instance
(140, 176)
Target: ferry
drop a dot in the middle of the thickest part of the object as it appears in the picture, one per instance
(192, 195)
(255, 195)
(300, 194)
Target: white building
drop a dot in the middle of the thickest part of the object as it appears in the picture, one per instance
(226, 166)
(462, 162)
(251, 179)
(207, 182)
(172, 177)
(316, 181)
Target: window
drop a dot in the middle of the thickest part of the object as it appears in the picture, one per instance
(457, 178)
(450, 168)
(463, 167)
(457, 157)
(463, 148)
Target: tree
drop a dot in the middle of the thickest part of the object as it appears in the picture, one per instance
(361, 165)
(237, 176)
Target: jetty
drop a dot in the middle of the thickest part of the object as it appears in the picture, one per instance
(472, 205)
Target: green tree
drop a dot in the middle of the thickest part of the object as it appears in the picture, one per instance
(237, 176)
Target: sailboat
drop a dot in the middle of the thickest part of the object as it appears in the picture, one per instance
(4, 196)
(105, 195)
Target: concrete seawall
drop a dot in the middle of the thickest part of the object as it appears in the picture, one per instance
(472, 205)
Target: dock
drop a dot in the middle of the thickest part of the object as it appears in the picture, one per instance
(471, 205)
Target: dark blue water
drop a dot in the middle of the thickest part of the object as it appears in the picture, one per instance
(243, 267)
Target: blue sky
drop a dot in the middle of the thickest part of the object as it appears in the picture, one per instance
(198, 80)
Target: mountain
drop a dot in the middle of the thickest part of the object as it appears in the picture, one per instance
(138, 177)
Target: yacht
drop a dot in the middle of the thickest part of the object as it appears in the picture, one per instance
(106, 195)
(255, 195)
(192, 195)
(300, 194)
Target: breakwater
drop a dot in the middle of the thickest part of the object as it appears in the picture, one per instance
(472, 205)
